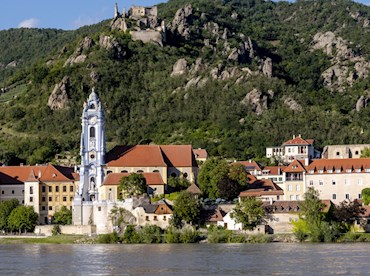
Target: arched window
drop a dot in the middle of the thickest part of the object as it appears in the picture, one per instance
(124, 171)
(108, 172)
(92, 106)
(92, 132)
(185, 175)
(140, 171)
(174, 174)
(92, 180)
(156, 171)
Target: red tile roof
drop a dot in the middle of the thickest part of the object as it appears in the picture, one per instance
(200, 153)
(298, 141)
(295, 166)
(179, 155)
(343, 165)
(21, 174)
(262, 187)
(151, 178)
(152, 156)
(274, 170)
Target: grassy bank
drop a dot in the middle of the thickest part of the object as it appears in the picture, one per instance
(60, 239)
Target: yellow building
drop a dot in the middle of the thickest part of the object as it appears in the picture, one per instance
(46, 188)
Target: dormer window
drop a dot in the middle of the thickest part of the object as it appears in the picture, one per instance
(321, 171)
(312, 171)
(330, 171)
(337, 170)
(348, 170)
(358, 170)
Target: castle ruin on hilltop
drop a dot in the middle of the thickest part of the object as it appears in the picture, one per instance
(142, 23)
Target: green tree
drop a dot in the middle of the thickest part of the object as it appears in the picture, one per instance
(311, 208)
(132, 185)
(365, 195)
(178, 183)
(210, 174)
(63, 216)
(365, 153)
(238, 173)
(6, 207)
(249, 212)
(348, 212)
(185, 209)
(22, 218)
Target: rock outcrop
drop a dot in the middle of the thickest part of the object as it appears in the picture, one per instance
(180, 67)
(267, 67)
(292, 104)
(362, 102)
(78, 57)
(181, 21)
(110, 43)
(347, 65)
(58, 99)
(256, 100)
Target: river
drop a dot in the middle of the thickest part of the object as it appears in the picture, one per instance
(183, 259)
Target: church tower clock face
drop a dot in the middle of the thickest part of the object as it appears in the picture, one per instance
(92, 120)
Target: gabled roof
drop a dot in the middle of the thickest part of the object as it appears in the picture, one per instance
(298, 141)
(136, 156)
(151, 156)
(179, 155)
(291, 206)
(262, 187)
(295, 167)
(151, 178)
(274, 170)
(194, 189)
(45, 173)
(152, 208)
(343, 165)
(200, 153)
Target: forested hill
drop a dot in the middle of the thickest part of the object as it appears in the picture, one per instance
(231, 76)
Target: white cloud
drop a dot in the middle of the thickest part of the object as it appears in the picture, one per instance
(83, 20)
(29, 23)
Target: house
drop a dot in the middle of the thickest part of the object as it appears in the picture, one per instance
(293, 149)
(212, 216)
(274, 173)
(294, 186)
(201, 155)
(229, 222)
(264, 189)
(47, 188)
(251, 167)
(167, 160)
(158, 214)
(109, 190)
(339, 179)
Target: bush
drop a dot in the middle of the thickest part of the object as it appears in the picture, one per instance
(172, 235)
(189, 236)
(151, 234)
(218, 235)
(130, 235)
(260, 238)
(108, 238)
(56, 230)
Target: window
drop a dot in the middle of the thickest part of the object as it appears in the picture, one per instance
(71, 188)
(64, 198)
(50, 198)
(359, 181)
(156, 171)
(2, 192)
(31, 199)
(321, 171)
(297, 197)
(334, 196)
(290, 188)
(50, 208)
(356, 152)
(43, 208)
(124, 171)
(338, 153)
(155, 218)
(70, 198)
(43, 199)
(31, 190)
(185, 175)
(50, 189)
(337, 170)
(64, 188)
(347, 196)
(12, 192)
(43, 189)
(291, 197)
(173, 174)
(359, 196)
(99, 208)
(333, 182)
(147, 218)
(164, 218)
(92, 132)
(346, 181)
(321, 182)
(140, 171)
(348, 170)
(311, 171)
(330, 171)
(57, 188)
(298, 188)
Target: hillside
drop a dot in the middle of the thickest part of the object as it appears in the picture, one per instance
(232, 77)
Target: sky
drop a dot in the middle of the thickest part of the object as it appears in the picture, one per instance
(65, 14)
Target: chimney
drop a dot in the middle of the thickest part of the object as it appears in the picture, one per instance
(39, 176)
(299, 135)
(271, 201)
(293, 136)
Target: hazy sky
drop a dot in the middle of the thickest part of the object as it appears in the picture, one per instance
(64, 14)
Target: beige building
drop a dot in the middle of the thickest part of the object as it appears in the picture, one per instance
(158, 214)
(343, 151)
(294, 186)
(167, 160)
(47, 188)
(339, 179)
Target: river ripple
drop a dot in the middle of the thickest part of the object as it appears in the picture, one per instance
(182, 259)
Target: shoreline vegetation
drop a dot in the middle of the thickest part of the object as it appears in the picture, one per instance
(148, 236)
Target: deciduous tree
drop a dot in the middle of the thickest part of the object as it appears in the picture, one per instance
(185, 209)
(63, 216)
(249, 212)
(132, 185)
(22, 218)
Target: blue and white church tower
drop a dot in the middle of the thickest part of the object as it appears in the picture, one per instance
(92, 149)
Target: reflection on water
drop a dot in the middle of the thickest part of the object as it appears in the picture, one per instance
(178, 259)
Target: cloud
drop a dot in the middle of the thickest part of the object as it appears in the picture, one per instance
(29, 23)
